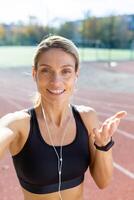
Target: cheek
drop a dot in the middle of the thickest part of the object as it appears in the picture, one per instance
(40, 79)
(40, 83)
(72, 84)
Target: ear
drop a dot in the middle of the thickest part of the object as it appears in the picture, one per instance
(77, 74)
(76, 79)
(34, 73)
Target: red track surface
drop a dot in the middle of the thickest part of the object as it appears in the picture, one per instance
(14, 95)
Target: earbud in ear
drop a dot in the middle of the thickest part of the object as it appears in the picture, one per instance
(75, 79)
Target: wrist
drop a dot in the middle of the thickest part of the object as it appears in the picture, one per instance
(100, 144)
(105, 147)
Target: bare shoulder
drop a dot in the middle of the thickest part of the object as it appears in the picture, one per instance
(14, 119)
(89, 117)
(84, 109)
(86, 112)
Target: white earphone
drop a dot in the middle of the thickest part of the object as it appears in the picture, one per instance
(75, 79)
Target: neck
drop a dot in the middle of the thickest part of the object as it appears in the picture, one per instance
(56, 114)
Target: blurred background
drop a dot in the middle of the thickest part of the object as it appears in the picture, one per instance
(103, 30)
(104, 34)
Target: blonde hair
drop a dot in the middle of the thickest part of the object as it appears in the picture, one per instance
(58, 42)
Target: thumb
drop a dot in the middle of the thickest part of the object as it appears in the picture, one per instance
(96, 132)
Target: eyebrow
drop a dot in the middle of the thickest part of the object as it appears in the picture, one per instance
(46, 65)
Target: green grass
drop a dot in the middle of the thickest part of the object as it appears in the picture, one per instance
(105, 54)
(23, 56)
(16, 56)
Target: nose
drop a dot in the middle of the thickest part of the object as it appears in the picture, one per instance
(56, 78)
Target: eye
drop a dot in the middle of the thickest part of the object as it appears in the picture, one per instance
(45, 70)
(67, 71)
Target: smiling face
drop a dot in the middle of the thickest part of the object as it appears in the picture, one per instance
(55, 75)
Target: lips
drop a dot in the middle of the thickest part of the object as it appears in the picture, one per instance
(56, 92)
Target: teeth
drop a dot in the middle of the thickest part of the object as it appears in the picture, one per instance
(56, 91)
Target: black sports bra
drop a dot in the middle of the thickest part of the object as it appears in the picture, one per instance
(36, 163)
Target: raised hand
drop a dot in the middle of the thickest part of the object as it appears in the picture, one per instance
(103, 135)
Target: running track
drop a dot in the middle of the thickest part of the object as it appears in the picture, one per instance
(15, 94)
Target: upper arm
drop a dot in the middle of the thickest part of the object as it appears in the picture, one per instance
(10, 126)
(6, 137)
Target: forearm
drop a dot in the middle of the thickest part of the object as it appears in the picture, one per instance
(100, 142)
(102, 168)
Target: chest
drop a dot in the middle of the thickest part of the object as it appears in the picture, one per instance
(38, 161)
(57, 136)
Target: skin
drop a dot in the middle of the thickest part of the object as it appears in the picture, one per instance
(56, 71)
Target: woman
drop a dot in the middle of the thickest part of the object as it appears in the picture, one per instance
(53, 143)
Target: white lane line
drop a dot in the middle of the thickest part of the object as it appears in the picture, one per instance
(128, 135)
(129, 118)
(17, 105)
(108, 115)
(110, 104)
(129, 105)
(107, 105)
(11, 102)
(124, 171)
(17, 96)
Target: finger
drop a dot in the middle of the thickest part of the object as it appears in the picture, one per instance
(113, 127)
(104, 128)
(109, 127)
(106, 131)
(104, 135)
(120, 115)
